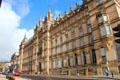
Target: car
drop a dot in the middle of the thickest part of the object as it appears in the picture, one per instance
(16, 73)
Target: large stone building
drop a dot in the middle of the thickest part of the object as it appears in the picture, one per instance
(79, 43)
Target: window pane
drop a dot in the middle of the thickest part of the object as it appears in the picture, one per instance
(74, 44)
(56, 51)
(94, 60)
(67, 47)
(75, 60)
(80, 26)
(100, 19)
(108, 29)
(105, 18)
(88, 22)
(81, 33)
(103, 32)
(56, 63)
(102, 50)
(89, 29)
(73, 29)
(68, 61)
(62, 61)
(83, 58)
(118, 50)
(73, 36)
(91, 39)
(61, 48)
(82, 42)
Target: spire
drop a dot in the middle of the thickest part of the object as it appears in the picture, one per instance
(49, 12)
(24, 39)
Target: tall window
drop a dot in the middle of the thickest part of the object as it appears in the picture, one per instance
(80, 26)
(91, 39)
(86, 13)
(61, 48)
(68, 61)
(67, 38)
(118, 50)
(81, 33)
(75, 60)
(105, 18)
(67, 47)
(74, 44)
(73, 29)
(56, 63)
(88, 22)
(103, 32)
(103, 55)
(52, 64)
(84, 58)
(94, 56)
(89, 29)
(108, 30)
(56, 41)
(101, 1)
(62, 61)
(100, 19)
(82, 42)
(56, 50)
(78, 17)
(73, 36)
(61, 39)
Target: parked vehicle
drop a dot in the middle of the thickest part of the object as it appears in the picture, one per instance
(16, 73)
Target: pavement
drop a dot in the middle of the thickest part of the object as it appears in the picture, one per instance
(18, 78)
(3, 77)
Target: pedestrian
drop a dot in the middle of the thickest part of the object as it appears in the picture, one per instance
(112, 74)
(106, 72)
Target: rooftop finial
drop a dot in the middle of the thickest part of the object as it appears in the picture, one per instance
(25, 38)
(77, 5)
(49, 11)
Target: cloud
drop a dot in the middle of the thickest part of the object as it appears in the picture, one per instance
(10, 33)
(57, 12)
(21, 7)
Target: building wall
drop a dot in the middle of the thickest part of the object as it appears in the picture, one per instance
(79, 43)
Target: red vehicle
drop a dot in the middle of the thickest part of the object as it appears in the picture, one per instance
(16, 73)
